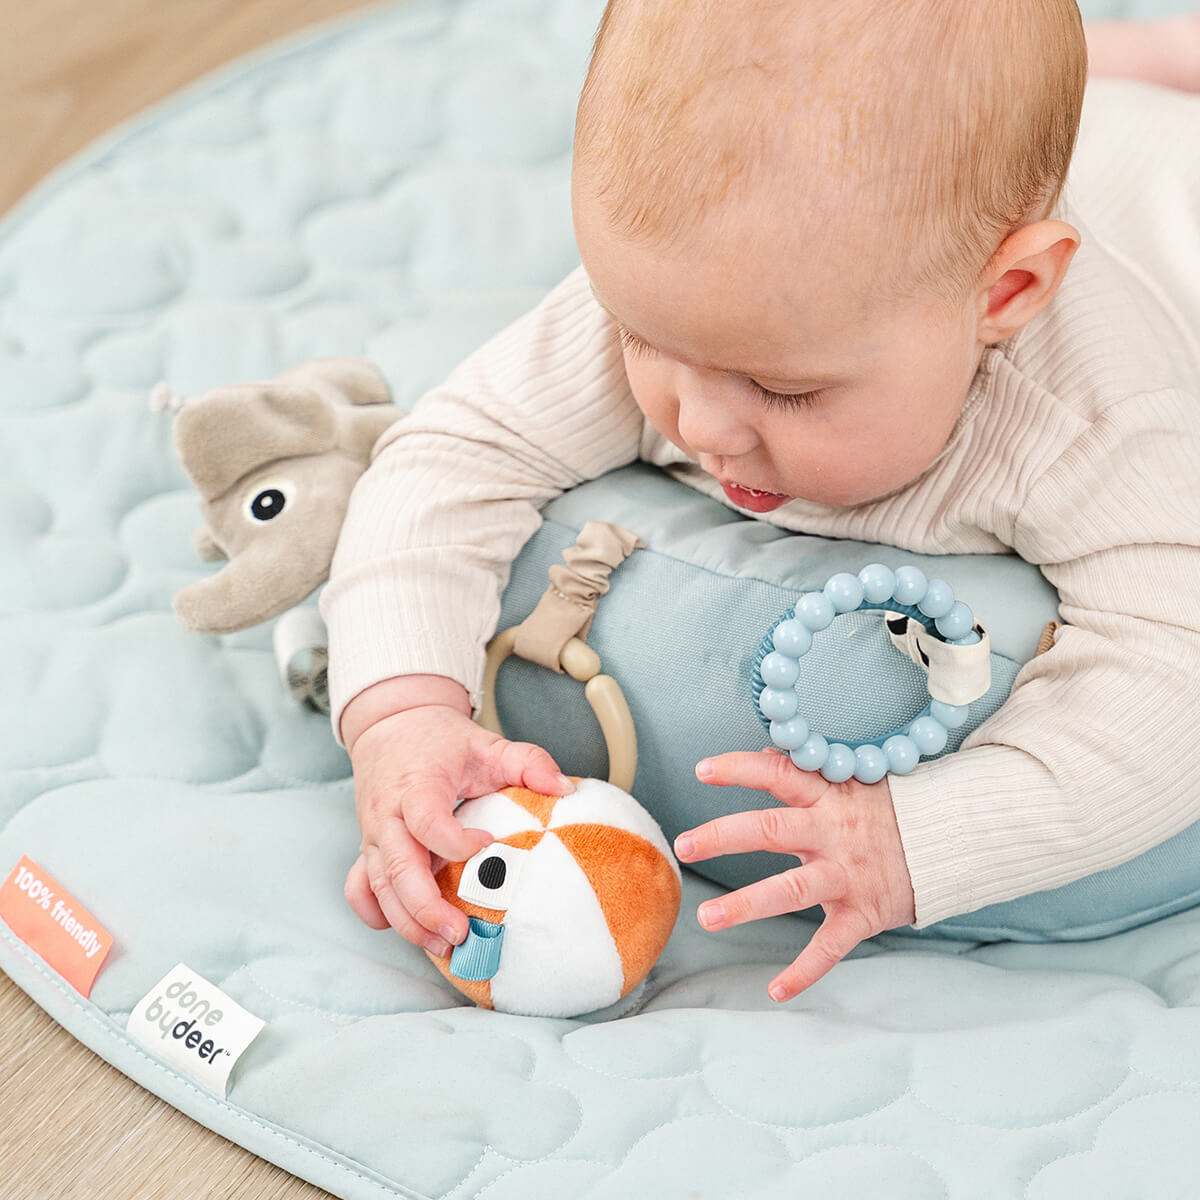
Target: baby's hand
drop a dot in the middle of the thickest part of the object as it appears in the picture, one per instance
(410, 770)
(845, 833)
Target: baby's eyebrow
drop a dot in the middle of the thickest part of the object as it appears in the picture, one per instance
(808, 383)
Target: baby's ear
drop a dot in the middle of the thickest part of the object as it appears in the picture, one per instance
(1023, 276)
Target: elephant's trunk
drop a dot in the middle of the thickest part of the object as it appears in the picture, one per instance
(245, 592)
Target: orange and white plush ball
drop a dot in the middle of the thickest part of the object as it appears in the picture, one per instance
(569, 907)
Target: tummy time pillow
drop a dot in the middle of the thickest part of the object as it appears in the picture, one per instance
(569, 908)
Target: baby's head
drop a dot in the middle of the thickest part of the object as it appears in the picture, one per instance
(810, 216)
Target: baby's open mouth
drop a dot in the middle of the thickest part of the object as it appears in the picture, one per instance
(754, 499)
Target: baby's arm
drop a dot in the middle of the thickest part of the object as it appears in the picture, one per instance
(453, 493)
(455, 490)
(1088, 763)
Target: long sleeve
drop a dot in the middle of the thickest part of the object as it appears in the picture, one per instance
(454, 491)
(1092, 759)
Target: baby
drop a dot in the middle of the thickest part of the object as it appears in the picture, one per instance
(825, 278)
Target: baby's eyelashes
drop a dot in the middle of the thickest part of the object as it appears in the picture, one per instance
(784, 399)
(634, 344)
(635, 347)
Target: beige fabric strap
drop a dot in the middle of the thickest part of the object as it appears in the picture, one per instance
(1046, 641)
(568, 605)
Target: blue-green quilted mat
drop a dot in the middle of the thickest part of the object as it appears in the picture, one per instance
(397, 186)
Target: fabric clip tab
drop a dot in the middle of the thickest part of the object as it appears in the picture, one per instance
(478, 958)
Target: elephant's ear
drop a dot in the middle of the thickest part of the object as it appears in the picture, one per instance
(234, 430)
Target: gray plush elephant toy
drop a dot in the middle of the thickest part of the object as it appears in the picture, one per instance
(274, 464)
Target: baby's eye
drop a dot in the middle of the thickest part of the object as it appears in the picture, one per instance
(784, 399)
(490, 878)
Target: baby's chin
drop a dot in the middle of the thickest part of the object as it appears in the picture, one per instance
(822, 495)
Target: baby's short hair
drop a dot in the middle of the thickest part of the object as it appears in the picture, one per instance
(945, 124)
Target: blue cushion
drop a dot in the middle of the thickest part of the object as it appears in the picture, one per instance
(680, 628)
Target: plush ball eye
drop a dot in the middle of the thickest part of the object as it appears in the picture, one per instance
(267, 505)
(490, 878)
(266, 499)
(492, 872)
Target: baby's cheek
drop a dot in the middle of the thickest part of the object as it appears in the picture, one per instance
(650, 387)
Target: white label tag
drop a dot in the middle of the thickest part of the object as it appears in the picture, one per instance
(194, 1026)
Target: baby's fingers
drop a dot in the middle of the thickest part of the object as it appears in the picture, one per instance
(782, 830)
(361, 899)
(838, 934)
(789, 891)
(446, 837)
(763, 771)
(522, 764)
(408, 895)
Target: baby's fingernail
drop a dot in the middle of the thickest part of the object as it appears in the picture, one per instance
(711, 914)
(565, 785)
(450, 934)
(704, 768)
(685, 846)
(436, 946)
(777, 992)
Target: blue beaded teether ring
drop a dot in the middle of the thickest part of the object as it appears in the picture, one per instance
(777, 667)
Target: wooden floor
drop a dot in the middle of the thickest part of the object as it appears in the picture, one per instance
(69, 70)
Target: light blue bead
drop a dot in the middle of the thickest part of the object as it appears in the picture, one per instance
(878, 582)
(870, 764)
(950, 715)
(811, 756)
(792, 638)
(910, 585)
(789, 735)
(839, 763)
(778, 704)
(938, 599)
(928, 735)
(957, 622)
(902, 754)
(844, 591)
(779, 670)
(815, 611)
(972, 639)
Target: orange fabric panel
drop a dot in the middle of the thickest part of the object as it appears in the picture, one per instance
(536, 804)
(636, 887)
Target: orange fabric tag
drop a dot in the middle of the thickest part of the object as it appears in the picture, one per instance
(52, 923)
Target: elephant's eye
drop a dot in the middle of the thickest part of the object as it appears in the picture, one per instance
(268, 504)
(490, 878)
(267, 499)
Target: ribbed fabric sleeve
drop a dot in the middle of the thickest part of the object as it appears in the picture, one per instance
(454, 491)
(1077, 447)
(1089, 762)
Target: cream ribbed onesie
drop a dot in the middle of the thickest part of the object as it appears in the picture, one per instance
(1078, 448)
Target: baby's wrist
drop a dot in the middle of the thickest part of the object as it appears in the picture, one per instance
(397, 695)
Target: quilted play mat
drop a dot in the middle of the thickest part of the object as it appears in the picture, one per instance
(396, 186)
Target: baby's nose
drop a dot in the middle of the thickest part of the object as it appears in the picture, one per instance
(711, 419)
